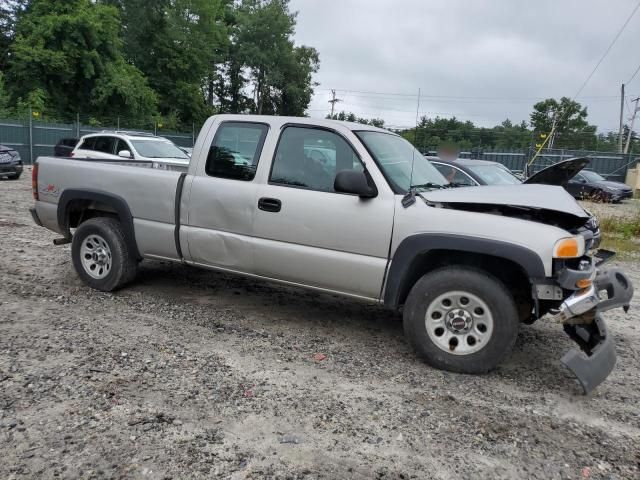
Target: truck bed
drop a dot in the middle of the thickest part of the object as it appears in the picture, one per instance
(149, 193)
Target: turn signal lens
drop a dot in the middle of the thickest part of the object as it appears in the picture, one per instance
(567, 248)
(584, 283)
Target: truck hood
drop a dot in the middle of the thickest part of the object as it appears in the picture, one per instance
(559, 173)
(542, 203)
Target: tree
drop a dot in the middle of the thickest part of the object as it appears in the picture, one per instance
(175, 44)
(351, 117)
(570, 119)
(9, 13)
(280, 74)
(67, 55)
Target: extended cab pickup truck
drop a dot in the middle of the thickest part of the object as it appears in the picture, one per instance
(352, 210)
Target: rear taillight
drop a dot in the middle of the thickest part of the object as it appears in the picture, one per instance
(71, 154)
(34, 181)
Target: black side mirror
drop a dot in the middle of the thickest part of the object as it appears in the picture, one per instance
(351, 181)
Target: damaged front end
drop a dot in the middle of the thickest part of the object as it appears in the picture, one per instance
(580, 315)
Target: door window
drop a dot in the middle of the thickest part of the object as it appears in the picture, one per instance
(235, 150)
(104, 144)
(311, 158)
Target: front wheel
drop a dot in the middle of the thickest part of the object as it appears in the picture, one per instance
(101, 256)
(461, 319)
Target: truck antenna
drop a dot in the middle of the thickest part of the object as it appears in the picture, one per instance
(410, 197)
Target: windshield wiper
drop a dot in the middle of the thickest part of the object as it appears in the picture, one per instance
(428, 185)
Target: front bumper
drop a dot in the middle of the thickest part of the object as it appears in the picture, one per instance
(10, 169)
(580, 315)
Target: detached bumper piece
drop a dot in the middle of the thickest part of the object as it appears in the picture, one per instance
(596, 358)
(580, 315)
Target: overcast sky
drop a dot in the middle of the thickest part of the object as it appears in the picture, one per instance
(480, 60)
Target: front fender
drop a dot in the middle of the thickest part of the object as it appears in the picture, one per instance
(399, 274)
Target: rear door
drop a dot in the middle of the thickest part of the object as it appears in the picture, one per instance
(222, 198)
(307, 233)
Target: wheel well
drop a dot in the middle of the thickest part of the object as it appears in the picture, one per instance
(509, 272)
(81, 210)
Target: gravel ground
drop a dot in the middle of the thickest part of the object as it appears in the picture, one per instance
(195, 374)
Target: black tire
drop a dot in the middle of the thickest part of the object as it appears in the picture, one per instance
(122, 266)
(502, 310)
(13, 177)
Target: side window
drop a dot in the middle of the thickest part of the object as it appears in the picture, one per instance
(311, 158)
(454, 175)
(121, 145)
(461, 178)
(104, 144)
(235, 150)
(88, 143)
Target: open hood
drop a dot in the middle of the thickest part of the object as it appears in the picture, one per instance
(559, 173)
(542, 203)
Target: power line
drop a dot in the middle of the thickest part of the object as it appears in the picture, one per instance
(615, 39)
(634, 75)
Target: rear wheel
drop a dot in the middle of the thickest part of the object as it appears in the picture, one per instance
(15, 176)
(461, 319)
(101, 256)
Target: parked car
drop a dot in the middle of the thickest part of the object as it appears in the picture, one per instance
(140, 147)
(10, 163)
(591, 185)
(570, 174)
(374, 220)
(465, 172)
(65, 147)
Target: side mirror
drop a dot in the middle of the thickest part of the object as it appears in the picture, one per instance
(125, 154)
(351, 181)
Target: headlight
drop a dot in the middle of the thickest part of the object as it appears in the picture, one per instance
(571, 247)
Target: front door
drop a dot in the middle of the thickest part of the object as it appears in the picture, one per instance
(308, 234)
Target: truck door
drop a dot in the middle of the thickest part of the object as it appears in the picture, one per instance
(307, 233)
(222, 198)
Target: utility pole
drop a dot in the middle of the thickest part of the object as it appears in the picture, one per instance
(333, 101)
(621, 131)
(553, 131)
(633, 120)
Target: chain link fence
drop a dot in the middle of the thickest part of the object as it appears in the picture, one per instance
(613, 166)
(35, 138)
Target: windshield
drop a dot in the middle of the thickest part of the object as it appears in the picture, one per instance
(158, 149)
(395, 156)
(494, 174)
(592, 176)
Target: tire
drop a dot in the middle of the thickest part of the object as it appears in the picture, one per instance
(13, 177)
(490, 319)
(101, 256)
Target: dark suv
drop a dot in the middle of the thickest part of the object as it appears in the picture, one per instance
(10, 163)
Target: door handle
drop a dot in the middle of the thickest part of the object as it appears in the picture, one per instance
(269, 204)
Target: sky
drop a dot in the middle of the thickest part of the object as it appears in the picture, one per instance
(478, 60)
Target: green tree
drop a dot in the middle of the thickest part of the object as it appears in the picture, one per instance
(570, 120)
(351, 117)
(175, 43)
(280, 74)
(68, 54)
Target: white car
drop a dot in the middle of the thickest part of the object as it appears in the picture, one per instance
(119, 145)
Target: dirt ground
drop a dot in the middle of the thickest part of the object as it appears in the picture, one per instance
(196, 374)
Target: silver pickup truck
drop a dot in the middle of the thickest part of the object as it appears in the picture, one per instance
(352, 210)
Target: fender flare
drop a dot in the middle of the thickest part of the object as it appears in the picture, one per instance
(116, 202)
(418, 245)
